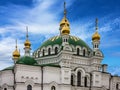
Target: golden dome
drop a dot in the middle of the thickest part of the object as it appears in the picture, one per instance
(27, 44)
(16, 54)
(96, 36)
(65, 29)
(64, 21)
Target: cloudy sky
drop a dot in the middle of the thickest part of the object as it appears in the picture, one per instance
(43, 17)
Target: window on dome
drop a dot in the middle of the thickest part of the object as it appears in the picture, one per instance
(56, 50)
(53, 88)
(43, 52)
(29, 87)
(49, 51)
(78, 78)
(5, 88)
(78, 51)
(85, 81)
(84, 52)
(97, 46)
(66, 40)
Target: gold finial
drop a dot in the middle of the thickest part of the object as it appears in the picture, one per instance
(16, 53)
(96, 24)
(27, 42)
(65, 9)
(96, 36)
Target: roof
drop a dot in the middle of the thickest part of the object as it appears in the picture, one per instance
(27, 60)
(73, 40)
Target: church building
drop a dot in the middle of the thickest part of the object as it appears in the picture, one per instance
(63, 62)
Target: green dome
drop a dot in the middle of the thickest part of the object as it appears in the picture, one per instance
(75, 41)
(27, 60)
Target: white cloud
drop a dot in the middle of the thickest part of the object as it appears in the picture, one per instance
(7, 46)
(40, 19)
(114, 70)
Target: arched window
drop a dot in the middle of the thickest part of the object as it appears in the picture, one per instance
(78, 78)
(78, 51)
(53, 88)
(29, 87)
(84, 52)
(43, 52)
(56, 50)
(95, 45)
(85, 81)
(5, 88)
(117, 86)
(72, 81)
(66, 40)
(49, 51)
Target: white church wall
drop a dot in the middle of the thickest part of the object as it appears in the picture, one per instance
(7, 78)
(65, 75)
(26, 72)
(114, 81)
(105, 80)
(51, 74)
(96, 78)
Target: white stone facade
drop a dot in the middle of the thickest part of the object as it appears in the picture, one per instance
(61, 77)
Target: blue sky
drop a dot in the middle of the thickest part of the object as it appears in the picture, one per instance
(43, 17)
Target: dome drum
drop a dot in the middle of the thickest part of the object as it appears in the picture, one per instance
(53, 42)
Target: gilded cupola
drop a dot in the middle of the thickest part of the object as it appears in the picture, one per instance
(96, 35)
(65, 30)
(16, 53)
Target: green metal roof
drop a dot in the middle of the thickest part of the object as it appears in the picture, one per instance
(52, 41)
(27, 60)
(73, 40)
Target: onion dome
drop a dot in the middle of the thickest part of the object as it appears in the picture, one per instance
(27, 44)
(65, 30)
(16, 53)
(64, 21)
(96, 35)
